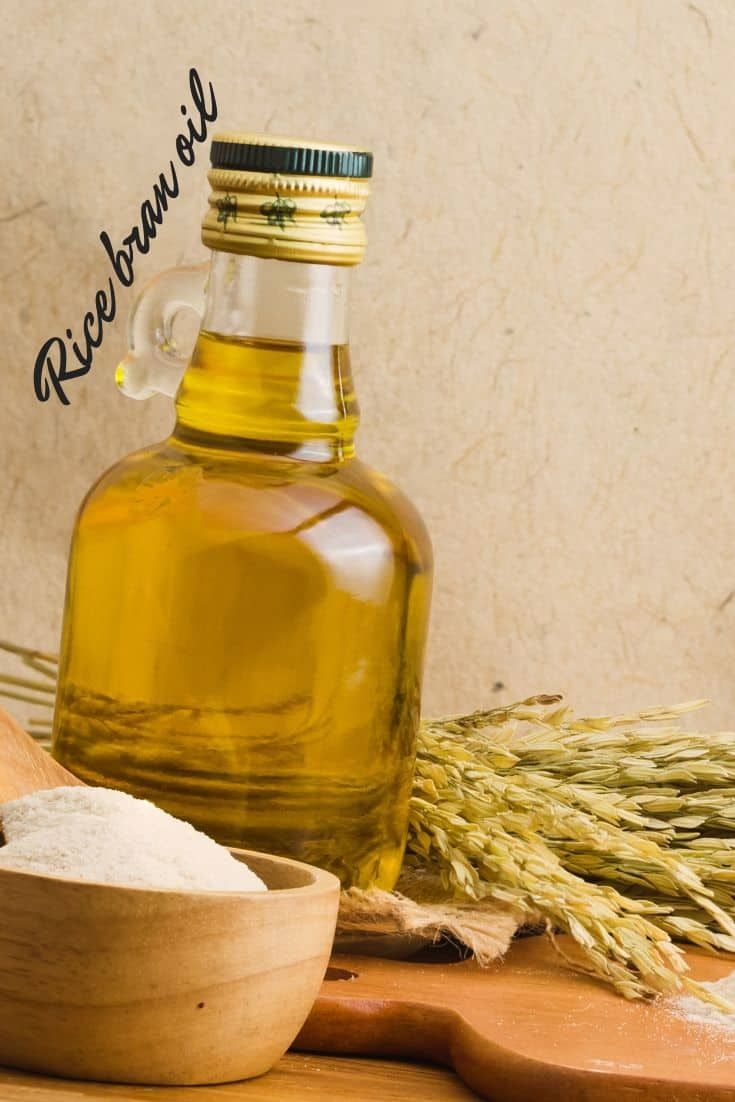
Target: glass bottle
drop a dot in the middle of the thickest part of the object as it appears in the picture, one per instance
(247, 602)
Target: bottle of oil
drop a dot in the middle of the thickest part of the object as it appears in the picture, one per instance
(247, 602)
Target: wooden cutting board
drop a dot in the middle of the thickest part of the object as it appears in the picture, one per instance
(526, 1030)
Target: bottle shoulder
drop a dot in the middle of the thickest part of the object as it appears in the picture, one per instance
(254, 493)
(128, 472)
(389, 505)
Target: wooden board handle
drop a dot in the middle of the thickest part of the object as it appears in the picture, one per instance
(412, 1032)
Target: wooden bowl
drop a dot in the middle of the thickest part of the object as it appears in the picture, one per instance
(134, 985)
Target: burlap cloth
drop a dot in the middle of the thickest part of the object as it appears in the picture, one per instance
(419, 914)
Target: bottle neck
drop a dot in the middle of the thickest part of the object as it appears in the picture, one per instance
(270, 371)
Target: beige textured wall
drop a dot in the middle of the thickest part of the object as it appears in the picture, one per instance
(544, 329)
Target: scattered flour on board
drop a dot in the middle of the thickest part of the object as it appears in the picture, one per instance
(694, 1010)
(97, 834)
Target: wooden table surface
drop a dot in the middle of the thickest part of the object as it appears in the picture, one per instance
(298, 1076)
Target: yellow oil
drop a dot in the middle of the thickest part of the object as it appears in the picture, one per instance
(246, 614)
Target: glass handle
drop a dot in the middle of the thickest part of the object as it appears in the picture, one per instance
(157, 352)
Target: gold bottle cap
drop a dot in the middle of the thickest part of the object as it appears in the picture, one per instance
(287, 199)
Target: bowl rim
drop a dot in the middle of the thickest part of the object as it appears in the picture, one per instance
(322, 882)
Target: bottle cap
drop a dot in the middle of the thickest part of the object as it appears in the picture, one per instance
(287, 199)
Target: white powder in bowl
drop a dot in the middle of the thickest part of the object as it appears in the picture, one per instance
(97, 834)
